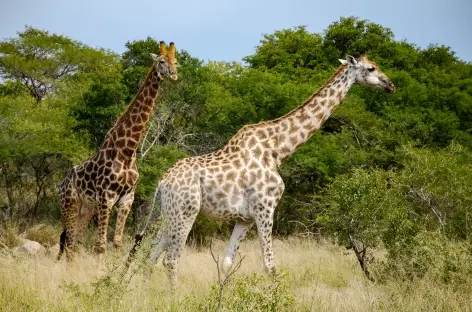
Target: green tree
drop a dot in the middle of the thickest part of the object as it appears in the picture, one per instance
(40, 61)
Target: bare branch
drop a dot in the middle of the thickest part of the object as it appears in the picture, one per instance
(223, 282)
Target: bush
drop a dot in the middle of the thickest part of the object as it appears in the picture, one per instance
(44, 234)
(433, 256)
(436, 185)
(363, 205)
(9, 236)
(249, 293)
(419, 214)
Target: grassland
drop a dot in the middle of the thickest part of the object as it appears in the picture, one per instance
(314, 276)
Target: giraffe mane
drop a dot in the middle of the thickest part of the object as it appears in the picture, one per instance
(317, 92)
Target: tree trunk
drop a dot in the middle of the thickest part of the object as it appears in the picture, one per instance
(8, 188)
(361, 252)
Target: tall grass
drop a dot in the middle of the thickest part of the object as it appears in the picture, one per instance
(314, 276)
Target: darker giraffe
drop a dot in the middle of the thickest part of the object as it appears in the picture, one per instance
(110, 175)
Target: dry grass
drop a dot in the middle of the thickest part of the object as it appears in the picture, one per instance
(319, 276)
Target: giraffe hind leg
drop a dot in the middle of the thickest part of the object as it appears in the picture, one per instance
(179, 228)
(85, 216)
(67, 241)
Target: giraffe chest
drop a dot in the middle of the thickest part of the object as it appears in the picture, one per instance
(109, 181)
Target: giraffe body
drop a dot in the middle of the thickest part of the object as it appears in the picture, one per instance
(109, 177)
(240, 182)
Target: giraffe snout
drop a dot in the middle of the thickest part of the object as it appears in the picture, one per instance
(388, 85)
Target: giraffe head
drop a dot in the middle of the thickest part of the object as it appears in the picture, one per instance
(166, 64)
(368, 73)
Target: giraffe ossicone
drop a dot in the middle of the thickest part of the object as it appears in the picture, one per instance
(109, 176)
(240, 181)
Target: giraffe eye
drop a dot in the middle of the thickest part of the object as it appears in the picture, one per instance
(162, 62)
(371, 69)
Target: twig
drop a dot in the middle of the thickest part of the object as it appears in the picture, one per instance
(307, 232)
(223, 282)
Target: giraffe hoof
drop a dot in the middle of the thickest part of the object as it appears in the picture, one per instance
(271, 271)
(226, 265)
(117, 244)
(100, 249)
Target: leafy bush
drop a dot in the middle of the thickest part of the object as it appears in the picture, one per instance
(433, 256)
(249, 293)
(436, 185)
(416, 213)
(363, 206)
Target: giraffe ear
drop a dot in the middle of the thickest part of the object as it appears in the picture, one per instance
(351, 60)
(154, 56)
(344, 62)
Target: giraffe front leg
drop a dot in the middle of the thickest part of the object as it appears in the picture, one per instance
(239, 232)
(103, 219)
(264, 222)
(264, 216)
(124, 207)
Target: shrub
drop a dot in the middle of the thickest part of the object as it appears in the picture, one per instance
(9, 236)
(44, 234)
(433, 256)
(362, 210)
(249, 293)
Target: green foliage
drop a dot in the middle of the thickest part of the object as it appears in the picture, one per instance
(437, 186)
(102, 100)
(28, 129)
(433, 256)
(355, 36)
(416, 213)
(248, 293)
(151, 168)
(290, 51)
(41, 61)
(384, 170)
(362, 204)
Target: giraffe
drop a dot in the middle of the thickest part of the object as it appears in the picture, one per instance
(109, 176)
(240, 181)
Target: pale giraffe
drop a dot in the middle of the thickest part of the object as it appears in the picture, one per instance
(110, 175)
(240, 181)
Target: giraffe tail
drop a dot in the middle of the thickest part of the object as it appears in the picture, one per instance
(139, 237)
(62, 244)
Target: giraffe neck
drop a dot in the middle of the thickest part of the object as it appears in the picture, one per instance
(296, 127)
(129, 128)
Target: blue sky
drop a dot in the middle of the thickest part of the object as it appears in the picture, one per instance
(229, 30)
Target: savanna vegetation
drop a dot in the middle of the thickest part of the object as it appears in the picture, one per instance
(385, 185)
